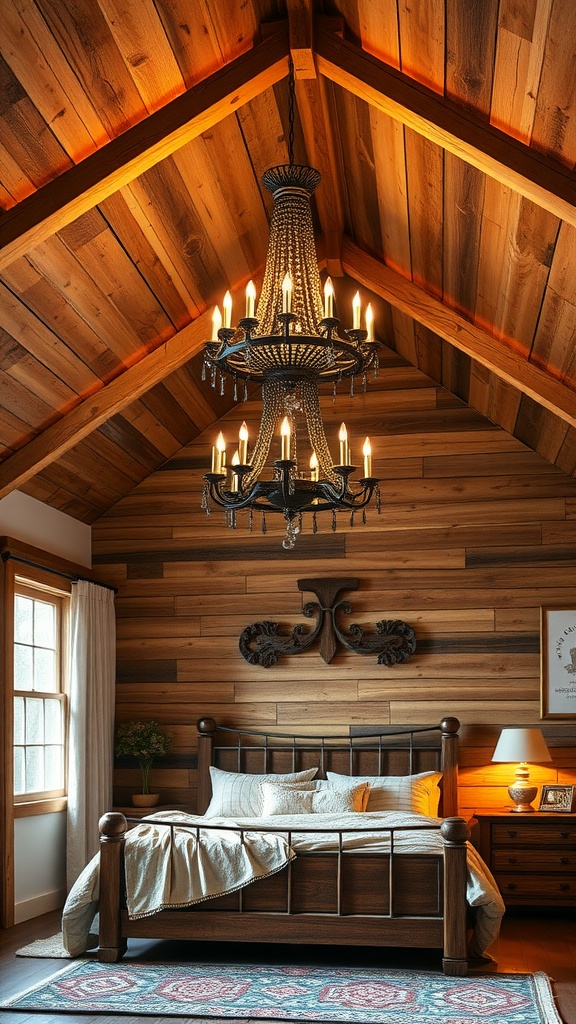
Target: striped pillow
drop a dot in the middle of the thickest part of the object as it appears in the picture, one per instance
(238, 795)
(416, 793)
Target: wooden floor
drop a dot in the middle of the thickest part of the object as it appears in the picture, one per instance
(530, 941)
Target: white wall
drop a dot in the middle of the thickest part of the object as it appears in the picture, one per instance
(40, 840)
(39, 865)
(33, 522)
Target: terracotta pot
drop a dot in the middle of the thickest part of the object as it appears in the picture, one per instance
(145, 799)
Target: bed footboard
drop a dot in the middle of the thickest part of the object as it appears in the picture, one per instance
(292, 906)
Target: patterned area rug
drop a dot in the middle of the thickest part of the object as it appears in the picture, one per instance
(364, 996)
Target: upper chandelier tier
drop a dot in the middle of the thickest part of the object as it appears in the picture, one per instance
(294, 333)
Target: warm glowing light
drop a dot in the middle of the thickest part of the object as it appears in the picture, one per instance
(243, 445)
(287, 294)
(227, 306)
(234, 485)
(314, 467)
(344, 449)
(367, 453)
(219, 454)
(356, 312)
(369, 323)
(285, 433)
(328, 298)
(250, 299)
(216, 322)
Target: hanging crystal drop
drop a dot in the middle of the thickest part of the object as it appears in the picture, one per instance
(204, 365)
(314, 523)
(378, 501)
(364, 382)
(334, 520)
(222, 382)
(376, 366)
(250, 519)
(213, 377)
(245, 398)
(235, 391)
(205, 502)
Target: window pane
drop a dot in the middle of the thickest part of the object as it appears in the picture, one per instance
(45, 670)
(19, 785)
(19, 720)
(53, 767)
(34, 720)
(53, 721)
(23, 619)
(34, 769)
(44, 624)
(23, 668)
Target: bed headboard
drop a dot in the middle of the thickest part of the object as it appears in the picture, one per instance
(392, 750)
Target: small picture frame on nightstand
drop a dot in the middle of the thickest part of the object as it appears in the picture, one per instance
(556, 798)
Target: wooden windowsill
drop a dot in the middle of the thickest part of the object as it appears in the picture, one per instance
(32, 807)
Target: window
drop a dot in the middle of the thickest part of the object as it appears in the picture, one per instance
(40, 702)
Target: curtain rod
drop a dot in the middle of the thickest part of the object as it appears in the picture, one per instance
(6, 555)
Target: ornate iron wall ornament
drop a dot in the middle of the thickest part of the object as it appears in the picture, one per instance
(393, 641)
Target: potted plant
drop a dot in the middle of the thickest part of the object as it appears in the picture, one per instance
(143, 741)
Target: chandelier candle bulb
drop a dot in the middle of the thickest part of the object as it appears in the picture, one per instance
(285, 434)
(356, 312)
(367, 453)
(221, 448)
(216, 325)
(250, 299)
(243, 445)
(314, 467)
(227, 306)
(234, 485)
(344, 449)
(328, 299)
(369, 323)
(287, 294)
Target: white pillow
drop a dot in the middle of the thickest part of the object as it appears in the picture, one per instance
(238, 795)
(310, 798)
(416, 793)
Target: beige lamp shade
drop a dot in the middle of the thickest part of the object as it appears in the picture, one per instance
(521, 745)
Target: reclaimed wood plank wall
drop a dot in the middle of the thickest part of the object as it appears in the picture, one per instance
(477, 532)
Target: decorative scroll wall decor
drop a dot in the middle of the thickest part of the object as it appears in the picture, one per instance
(393, 641)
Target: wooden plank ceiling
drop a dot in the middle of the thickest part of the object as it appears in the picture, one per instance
(133, 137)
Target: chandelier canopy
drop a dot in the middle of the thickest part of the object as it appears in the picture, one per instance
(289, 345)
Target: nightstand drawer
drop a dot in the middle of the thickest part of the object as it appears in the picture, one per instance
(533, 860)
(537, 885)
(550, 834)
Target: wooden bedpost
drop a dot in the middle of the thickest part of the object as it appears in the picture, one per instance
(113, 828)
(455, 833)
(206, 733)
(449, 728)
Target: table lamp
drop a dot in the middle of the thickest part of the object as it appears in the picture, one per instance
(522, 745)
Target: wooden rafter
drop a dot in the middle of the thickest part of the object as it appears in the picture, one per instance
(448, 324)
(99, 175)
(537, 177)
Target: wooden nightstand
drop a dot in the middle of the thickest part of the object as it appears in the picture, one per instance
(532, 856)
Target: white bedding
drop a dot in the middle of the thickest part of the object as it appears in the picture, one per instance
(162, 874)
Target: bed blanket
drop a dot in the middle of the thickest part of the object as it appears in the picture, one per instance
(199, 864)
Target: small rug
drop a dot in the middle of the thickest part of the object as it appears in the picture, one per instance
(51, 948)
(361, 995)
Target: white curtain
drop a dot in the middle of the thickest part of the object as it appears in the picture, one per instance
(91, 734)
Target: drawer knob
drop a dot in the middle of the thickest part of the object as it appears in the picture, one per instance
(511, 885)
(564, 860)
(564, 835)
(512, 860)
(513, 833)
(565, 887)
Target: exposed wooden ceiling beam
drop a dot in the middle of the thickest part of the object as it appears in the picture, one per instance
(300, 20)
(448, 324)
(541, 179)
(99, 175)
(87, 417)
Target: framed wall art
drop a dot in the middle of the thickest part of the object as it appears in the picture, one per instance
(558, 662)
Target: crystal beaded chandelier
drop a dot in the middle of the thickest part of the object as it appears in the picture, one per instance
(289, 345)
